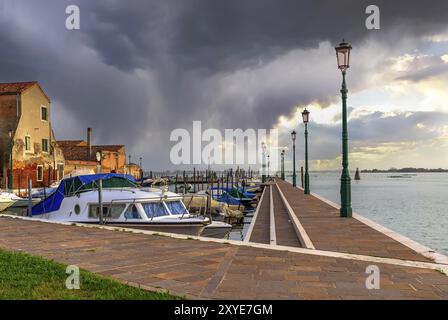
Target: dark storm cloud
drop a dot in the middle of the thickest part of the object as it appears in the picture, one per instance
(138, 69)
(223, 35)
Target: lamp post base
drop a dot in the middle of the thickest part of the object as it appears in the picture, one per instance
(345, 212)
(346, 209)
(306, 190)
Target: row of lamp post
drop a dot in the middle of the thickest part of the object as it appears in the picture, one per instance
(305, 118)
(343, 60)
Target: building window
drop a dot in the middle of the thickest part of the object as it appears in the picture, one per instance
(45, 145)
(40, 173)
(27, 143)
(44, 113)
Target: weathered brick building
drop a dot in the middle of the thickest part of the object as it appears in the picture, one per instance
(25, 129)
(82, 155)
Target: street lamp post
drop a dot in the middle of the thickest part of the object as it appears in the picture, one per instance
(269, 165)
(293, 137)
(282, 169)
(263, 164)
(11, 145)
(343, 59)
(306, 118)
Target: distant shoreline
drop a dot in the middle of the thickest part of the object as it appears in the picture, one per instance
(405, 170)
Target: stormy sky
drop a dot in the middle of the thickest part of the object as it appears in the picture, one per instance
(136, 70)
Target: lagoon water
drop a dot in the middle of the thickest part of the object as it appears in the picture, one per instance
(415, 205)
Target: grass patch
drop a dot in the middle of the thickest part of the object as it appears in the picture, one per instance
(23, 276)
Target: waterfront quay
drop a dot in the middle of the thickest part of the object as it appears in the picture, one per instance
(297, 247)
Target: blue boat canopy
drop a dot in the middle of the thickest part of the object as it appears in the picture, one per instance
(74, 185)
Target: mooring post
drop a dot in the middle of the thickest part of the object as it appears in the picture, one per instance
(100, 200)
(202, 180)
(184, 181)
(20, 183)
(30, 198)
(194, 180)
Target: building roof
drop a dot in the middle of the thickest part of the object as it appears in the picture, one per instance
(75, 153)
(16, 87)
(111, 147)
(72, 143)
(19, 87)
(78, 150)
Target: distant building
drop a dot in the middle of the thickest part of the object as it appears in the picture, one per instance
(25, 129)
(134, 170)
(81, 155)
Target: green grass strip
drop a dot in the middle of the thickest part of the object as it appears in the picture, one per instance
(23, 276)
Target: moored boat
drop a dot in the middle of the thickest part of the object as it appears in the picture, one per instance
(217, 229)
(8, 199)
(77, 200)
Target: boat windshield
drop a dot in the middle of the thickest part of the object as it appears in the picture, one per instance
(155, 209)
(75, 185)
(176, 207)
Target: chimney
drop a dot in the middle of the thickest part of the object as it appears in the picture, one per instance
(89, 143)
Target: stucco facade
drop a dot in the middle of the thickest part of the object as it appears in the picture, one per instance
(25, 113)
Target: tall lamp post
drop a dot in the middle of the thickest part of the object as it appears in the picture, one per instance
(263, 164)
(269, 165)
(282, 168)
(11, 145)
(306, 118)
(343, 59)
(293, 137)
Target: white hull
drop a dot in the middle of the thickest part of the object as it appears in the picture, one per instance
(194, 229)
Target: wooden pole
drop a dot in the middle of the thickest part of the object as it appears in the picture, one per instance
(194, 180)
(30, 198)
(20, 182)
(100, 200)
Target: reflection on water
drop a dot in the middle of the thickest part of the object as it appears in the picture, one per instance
(414, 205)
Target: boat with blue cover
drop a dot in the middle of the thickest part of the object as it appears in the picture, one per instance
(77, 200)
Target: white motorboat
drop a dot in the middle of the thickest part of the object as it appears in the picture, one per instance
(7, 199)
(77, 200)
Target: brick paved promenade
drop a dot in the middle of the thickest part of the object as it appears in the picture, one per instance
(210, 269)
(330, 232)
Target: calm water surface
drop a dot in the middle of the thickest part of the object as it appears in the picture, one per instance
(415, 206)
